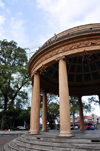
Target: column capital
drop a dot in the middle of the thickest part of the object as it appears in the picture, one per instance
(61, 58)
(44, 91)
(42, 70)
(32, 78)
(36, 72)
(79, 96)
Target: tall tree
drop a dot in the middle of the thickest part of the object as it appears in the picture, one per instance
(52, 113)
(93, 100)
(16, 117)
(51, 98)
(13, 74)
(74, 108)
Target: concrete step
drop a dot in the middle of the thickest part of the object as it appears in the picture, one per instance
(43, 143)
(49, 145)
(19, 146)
(60, 140)
(57, 139)
(60, 144)
(6, 148)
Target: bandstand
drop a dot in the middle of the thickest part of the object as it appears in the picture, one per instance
(66, 64)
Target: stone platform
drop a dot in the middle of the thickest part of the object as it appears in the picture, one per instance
(86, 140)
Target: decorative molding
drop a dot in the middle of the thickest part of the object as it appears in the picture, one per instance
(60, 58)
(64, 49)
(35, 72)
(43, 69)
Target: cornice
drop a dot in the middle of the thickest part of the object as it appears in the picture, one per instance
(66, 35)
(61, 50)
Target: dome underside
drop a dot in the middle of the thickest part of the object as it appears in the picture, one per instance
(82, 75)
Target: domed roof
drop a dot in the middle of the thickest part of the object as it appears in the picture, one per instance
(83, 73)
(80, 74)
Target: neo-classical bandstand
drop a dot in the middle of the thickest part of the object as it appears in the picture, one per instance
(66, 64)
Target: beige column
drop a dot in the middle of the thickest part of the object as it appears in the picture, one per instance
(64, 100)
(35, 106)
(31, 106)
(81, 114)
(99, 99)
(44, 117)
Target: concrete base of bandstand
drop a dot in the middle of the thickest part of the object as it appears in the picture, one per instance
(85, 140)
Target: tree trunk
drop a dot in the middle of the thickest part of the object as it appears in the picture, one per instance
(2, 123)
(5, 105)
(73, 120)
(4, 114)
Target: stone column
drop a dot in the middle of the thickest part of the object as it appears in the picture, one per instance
(35, 106)
(44, 117)
(31, 118)
(99, 99)
(81, 114)
(64, 100)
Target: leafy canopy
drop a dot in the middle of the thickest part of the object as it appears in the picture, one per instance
(52, 113)
(13, 74)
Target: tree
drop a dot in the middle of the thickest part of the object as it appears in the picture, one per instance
(93, 100)
(51, 98)
(74, 108)
(52, 113)
(16, 117)
(52, 108)
(13, 74)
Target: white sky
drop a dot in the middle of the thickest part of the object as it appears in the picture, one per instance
(96, 107)
(32, 22)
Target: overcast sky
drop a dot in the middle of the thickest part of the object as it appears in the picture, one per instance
(32, 22)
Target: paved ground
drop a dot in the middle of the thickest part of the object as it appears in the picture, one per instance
(5, 139)
(92, 134)
(8, 136)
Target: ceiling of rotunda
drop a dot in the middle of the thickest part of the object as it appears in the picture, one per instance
(78, 71)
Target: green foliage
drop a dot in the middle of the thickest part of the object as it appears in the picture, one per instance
(52, 113)
(87, 107)
(93, 100)
(13, 74)
(15, 117)
(51, 98)
(73, 105)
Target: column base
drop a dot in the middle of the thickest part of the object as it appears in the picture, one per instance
(34, 132)
(29, 131)
(44, 130)
(81, 128)
(65, 134)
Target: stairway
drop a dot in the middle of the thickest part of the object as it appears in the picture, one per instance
(49, 143)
